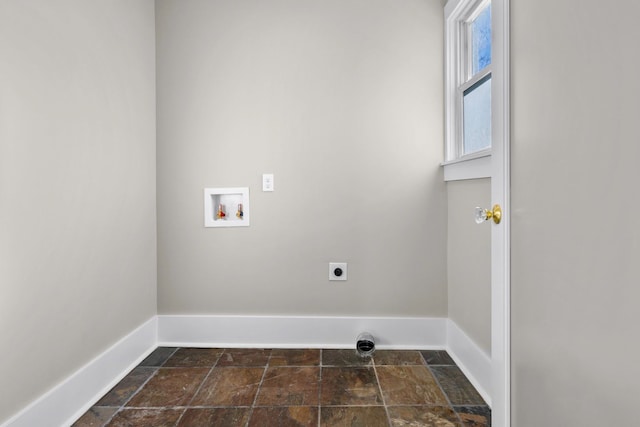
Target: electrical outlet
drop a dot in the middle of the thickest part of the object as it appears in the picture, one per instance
(338, 271)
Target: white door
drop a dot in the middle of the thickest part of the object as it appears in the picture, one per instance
(500, 248)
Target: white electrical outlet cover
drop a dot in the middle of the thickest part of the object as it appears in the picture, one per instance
(267, 182)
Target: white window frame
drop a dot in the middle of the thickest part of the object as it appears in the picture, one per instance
(458, 14)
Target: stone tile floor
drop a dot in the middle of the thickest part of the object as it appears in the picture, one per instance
(255, 387)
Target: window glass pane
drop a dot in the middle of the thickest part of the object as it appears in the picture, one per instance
(477, 116)
(481, 40)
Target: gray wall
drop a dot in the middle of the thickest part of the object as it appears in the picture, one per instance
(342, 101)
(575, 234)
(469, 260)
(77, 186)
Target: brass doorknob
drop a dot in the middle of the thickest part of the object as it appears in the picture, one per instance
(483, 215)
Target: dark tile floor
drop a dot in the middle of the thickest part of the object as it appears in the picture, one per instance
(247, 387)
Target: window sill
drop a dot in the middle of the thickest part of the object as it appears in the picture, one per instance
(478, 166)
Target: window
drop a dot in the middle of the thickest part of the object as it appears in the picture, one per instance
(468, 80)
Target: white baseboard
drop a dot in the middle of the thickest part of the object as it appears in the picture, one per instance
(300, 331)
(471, 359)
(415, 333)
(67, 401)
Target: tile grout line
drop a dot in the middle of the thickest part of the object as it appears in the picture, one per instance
(188, 405)
(444, 393)
(384, 401)
(121, 407)
(320, 389)
(124, 404)
(462, 405)
(255, 399)
(158, 370)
